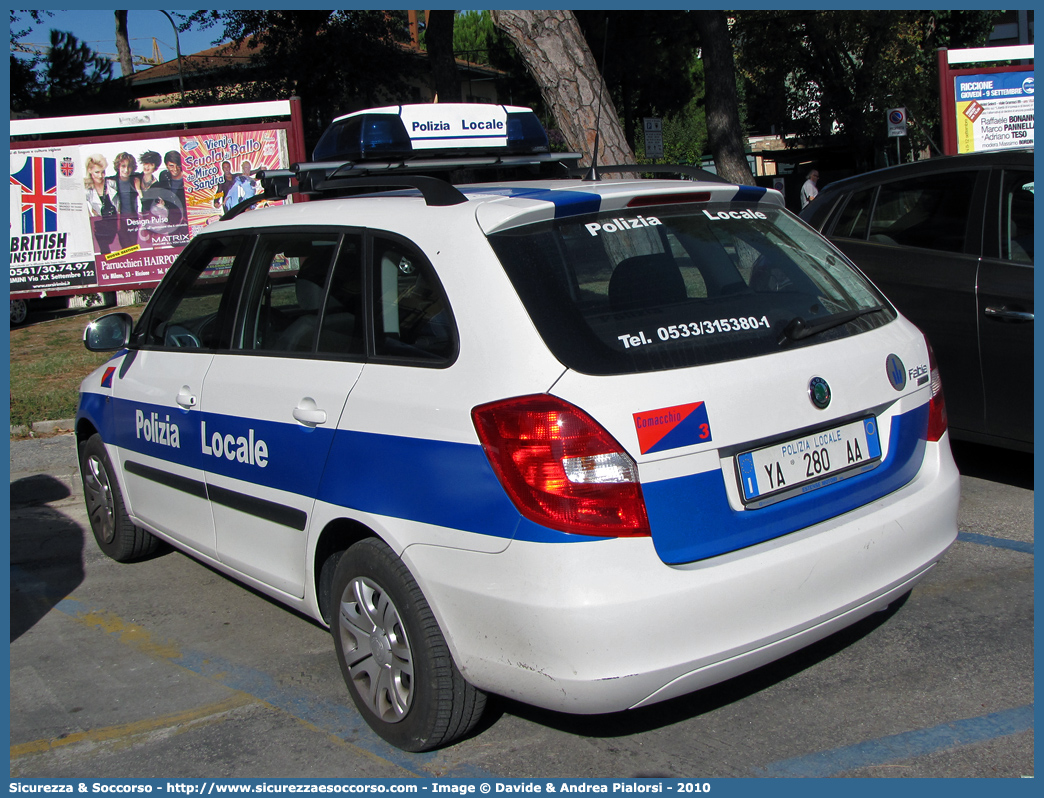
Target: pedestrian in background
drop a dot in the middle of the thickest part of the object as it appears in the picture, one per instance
(809, 190)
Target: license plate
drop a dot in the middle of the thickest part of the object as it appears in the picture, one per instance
(809, 462)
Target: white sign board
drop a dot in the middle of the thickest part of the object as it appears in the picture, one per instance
(994, 111)
(653, 137)
(896, 122)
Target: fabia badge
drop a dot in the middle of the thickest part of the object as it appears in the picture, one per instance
(819, 392)
(896, 372)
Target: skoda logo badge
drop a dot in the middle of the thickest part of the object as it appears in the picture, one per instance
(896, 372)
(819, 392)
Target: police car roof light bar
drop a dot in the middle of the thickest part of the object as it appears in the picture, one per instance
(410, 130)
(380, 147)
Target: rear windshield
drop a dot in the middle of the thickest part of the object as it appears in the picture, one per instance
(678, 286)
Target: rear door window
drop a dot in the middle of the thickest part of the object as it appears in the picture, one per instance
(929, 211)
(305, 295)
(682, 285)
(412, 319)
(854, 219)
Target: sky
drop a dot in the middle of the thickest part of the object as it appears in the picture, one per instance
(98, 30)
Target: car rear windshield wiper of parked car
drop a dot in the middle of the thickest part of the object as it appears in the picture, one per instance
(797, 328)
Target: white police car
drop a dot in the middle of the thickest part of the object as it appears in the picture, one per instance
(590, 444)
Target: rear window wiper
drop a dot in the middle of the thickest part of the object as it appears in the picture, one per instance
(797, 328)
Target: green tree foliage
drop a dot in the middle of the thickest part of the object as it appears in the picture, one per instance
(646, 60)
(822, 73)
(70, 78)
(26, 86)
(475, 36)
(684, 130)
(335, 61)
(684, 137)
(478, 41)
(71, 67)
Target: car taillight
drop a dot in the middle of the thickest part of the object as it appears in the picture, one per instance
(937, 404)
(561, 468)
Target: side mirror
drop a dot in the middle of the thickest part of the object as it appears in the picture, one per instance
(108, 333)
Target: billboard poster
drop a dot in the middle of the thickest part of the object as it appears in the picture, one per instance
(218, 167)
(51, 244)
(994, 111)
(118, 214)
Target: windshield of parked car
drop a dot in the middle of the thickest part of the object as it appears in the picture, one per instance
(683, 285)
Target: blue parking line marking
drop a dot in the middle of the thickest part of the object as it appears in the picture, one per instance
(1000, 543)
(907, 745)
(340, 720)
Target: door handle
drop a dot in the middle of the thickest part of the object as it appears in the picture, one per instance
(1004, 314)
(185, 397)
(308, 414)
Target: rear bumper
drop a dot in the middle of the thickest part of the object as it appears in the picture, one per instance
(605, 625)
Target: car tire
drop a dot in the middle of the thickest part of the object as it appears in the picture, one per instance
(393, 655)
(116, 534)
(19, 311)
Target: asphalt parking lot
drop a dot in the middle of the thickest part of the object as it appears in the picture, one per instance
(168, 669)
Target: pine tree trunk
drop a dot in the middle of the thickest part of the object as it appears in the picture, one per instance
(561, 63)
(438, 38)
(123, 45)
(724, 136)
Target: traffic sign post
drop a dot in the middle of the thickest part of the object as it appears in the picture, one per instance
(653, 137)
(897, 128)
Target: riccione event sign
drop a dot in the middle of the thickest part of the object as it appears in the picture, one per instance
(994, 111)
(117, 214)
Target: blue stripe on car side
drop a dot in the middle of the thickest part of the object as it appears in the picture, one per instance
(692, 520)
(452, 484)
(96, 408)
(294, 455)
(432, 482)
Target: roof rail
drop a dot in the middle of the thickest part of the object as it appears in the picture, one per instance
(435, 191)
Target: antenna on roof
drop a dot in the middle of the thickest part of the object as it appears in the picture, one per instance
(593, 174)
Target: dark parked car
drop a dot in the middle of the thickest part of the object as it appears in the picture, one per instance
(950, 241)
